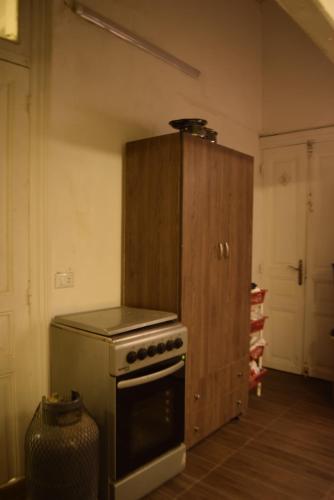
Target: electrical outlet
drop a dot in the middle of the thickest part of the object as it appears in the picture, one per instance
(64, 280)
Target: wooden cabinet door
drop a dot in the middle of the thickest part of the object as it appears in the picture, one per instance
(240, 173)
(201, 309)
(216, 276)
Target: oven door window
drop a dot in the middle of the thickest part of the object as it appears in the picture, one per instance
(149, 416)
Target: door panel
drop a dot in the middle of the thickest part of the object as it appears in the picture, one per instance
(152, 223)
(282, 343)
(239, 262)
(319, 346)
(16, 347)
(216, 264)
(201, 212)
(285, 195)
(200, 307)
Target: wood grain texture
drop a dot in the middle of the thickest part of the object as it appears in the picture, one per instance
(217, 209)
(279, 450)
(151, 222)
(201, 309)
(184, 200)
(240, 240)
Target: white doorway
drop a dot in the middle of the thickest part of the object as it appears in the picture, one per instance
(298, 196)
(17, 346)
(319, 293)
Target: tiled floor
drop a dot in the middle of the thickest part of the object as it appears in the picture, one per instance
(282, 449)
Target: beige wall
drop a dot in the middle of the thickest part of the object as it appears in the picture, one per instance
(298, 80)
(104, 92)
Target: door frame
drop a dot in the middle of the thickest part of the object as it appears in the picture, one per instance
(308, 137)
(286, 301)
(320, 134)
(39, 248)
(35, 22)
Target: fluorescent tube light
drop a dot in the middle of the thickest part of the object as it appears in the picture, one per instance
(117, 30)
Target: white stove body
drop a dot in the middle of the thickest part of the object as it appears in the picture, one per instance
(136, 357)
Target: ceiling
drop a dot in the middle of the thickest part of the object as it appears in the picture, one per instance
(316, 18)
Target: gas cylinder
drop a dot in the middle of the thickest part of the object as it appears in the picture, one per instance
(62, 451)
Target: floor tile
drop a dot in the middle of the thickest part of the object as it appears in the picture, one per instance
(203, 492)
(273, 474)
(236, 434)
(289, 461)
(262, 412)
(177, 485)
(303, 449)
(312, 413)
(234, 485)
(281, 449)
(197, 466)
(158, 495)
(319, 435)
(212, 451)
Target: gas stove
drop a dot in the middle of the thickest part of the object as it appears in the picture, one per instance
(137, 337)
(129, 366)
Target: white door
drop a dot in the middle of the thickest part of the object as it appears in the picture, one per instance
(17, 351)
(285, 196)
(319, 319)
(299, 233)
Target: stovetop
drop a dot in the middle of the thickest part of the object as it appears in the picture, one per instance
(115, 320)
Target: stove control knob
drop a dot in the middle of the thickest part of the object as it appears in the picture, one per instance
(170, 345)
(152, 350)
(161, 348)
(142, 353)
(131, 357)
(178, 343)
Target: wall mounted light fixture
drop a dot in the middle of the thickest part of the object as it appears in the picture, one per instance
(126, 35)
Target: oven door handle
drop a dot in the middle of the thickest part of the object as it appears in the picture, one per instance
(125, 384)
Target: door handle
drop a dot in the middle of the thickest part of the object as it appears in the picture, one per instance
(300, 270)
(145, 379)
(223, 250)
(226, 250)
(220, 250)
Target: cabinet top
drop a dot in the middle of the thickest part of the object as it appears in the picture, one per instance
(183, 138)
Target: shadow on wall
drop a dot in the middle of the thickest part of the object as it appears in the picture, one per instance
(96, 130)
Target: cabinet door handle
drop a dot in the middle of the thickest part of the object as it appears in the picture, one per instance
(226, 250)
(223, 250)
(220, 250)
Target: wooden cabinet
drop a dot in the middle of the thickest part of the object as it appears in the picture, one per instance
(187, 248)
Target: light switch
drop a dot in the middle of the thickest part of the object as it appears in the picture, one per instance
(64, 280)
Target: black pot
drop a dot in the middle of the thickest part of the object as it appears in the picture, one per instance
(192, 126)
(210, 134)
(195, 126)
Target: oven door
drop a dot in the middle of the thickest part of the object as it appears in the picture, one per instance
(149, 413)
